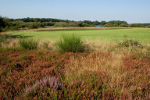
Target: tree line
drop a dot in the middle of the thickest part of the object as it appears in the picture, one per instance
(31, 23)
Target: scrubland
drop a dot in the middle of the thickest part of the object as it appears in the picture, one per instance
(36, 69)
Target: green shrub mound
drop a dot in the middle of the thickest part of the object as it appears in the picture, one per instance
(70, 43)
(28, 44)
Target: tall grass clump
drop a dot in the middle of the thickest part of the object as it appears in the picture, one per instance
(70, 43)
(28, 44)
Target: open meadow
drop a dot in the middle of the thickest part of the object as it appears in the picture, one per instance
(80, 64)
(102, 34)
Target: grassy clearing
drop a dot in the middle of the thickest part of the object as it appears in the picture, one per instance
(105, 35)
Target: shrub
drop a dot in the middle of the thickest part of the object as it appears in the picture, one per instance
(29, 44)
(130, 43)
(1, 40)
(70, 43)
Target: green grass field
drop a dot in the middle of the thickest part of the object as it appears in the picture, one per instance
(110, 35)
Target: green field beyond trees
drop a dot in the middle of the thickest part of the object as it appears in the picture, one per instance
(103, 35)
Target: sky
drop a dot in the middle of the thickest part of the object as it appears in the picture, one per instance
(132, 11)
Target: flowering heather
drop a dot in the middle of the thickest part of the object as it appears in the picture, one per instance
(51, 82)
(120, 74)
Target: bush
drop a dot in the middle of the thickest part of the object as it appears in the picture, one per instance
(70, 43)
(28, 44)
(1, 40)
(130, 43)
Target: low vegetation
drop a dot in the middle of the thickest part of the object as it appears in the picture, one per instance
(70, 43)
(1, 40)
(44, 74)
(130, 43)
(28, 44)
(120, 71)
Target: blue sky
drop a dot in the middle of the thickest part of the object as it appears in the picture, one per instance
(133, 11)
